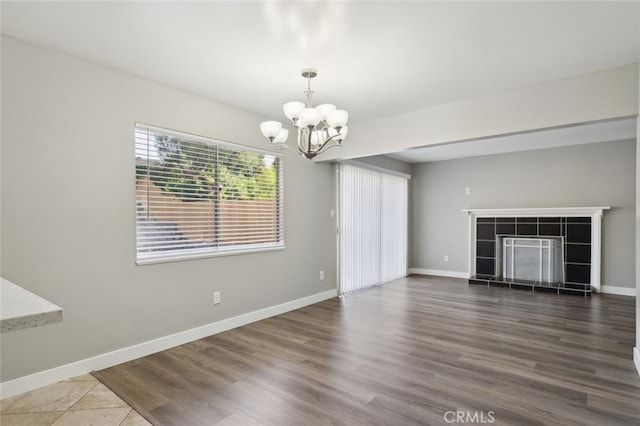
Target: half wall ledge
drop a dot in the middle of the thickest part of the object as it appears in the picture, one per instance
(22, 309)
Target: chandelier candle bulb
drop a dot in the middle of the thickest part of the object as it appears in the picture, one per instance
(270, 129)
(318, 128)
(338, 118)
(293, 109)
(325, 109)
(309, 117)
(282, 136)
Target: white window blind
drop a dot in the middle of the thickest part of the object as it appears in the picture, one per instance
(394, 229)
(198, 197)
(372, 229)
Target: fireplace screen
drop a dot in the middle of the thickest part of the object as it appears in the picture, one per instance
(532, 259)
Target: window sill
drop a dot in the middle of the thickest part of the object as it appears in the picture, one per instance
(179, 257)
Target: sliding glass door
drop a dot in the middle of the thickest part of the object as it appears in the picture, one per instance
(372, 230)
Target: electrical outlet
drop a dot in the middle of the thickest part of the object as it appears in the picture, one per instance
(446, 258)
(216, 297)
(321, 275)
(467, 190)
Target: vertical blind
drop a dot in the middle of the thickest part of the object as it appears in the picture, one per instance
(198, 197)
(372, 229)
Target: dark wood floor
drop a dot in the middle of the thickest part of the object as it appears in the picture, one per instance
(404, 353)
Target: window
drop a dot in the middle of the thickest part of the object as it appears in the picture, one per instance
(199, 197)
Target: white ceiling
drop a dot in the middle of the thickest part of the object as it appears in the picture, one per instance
(375, 59)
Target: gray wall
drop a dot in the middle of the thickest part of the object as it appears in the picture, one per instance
(68, 213)
(600, 174)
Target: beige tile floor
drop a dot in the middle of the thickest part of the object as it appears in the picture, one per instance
(81, 401)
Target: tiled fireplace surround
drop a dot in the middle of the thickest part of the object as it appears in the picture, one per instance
(579, 229)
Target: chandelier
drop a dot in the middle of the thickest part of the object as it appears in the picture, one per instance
(319, 128)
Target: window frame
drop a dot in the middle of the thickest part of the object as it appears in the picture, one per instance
(181, 254)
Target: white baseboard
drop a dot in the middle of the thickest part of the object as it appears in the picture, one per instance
(439, 273)
(622, 291)
(99, 362)
(636, 358)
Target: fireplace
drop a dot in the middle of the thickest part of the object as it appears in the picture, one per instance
(555, 250)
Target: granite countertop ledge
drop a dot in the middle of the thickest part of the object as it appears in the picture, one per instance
(22, 309)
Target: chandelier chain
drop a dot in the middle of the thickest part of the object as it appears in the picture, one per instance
(308, 93)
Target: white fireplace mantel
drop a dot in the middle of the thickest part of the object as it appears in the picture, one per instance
(538, 212)
(596, 229)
